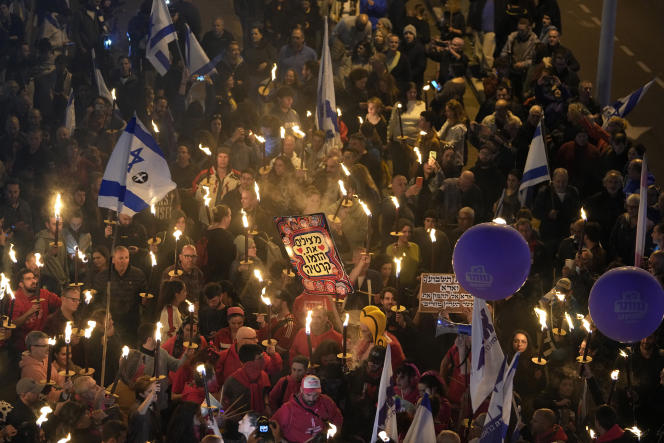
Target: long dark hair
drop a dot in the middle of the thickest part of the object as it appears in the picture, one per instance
(167, 293)
(181, 425)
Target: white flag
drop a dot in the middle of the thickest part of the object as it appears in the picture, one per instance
(537, 168)
(137, 174)
(498, 416)
(641, 224)
(70, 113)
(486, 354)
(326, 106)
(162, 32)
(386, 414)
(102, 90)
(422, 428)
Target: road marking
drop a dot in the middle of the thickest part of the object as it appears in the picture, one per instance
(626, 50)
(584, 8)
(643, 66)
(596, 21)
(660, 82)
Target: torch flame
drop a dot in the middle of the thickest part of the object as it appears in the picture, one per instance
(296, 129)
(274, 72)
(153, 210)
(636, 431)
(569, 321)
(560, 296)
(418, 154)
(177, 233)
(346, 319)
(200, 369)
(157, 331)
(499, 221)
(155, 127)
(205, 149)
(365, 208)
(190, 306)
(383, 436)
(245, 221)
(342, 188)
(113, 94)
(397, 262)
(44, 412)
(579, 316)
(38, 260)
(623, 354)
(282, 132)
(345, 169)
(614, 374)
(307, 328)
(360, 119)
(57, 207)
(258, 275)
(12, 253)
(432, 235)
(541, 316)
(260, 138)
(81, 256)
(206, 196)
(66, 439)
(308, 113)
(68, 332)
(331, 431)
(125, 351)
(586, 324)
(426, 87)
(423, 133)
(395, 201)
(339, 112)
(265, 299)
(257, 190)
(153, 259)
(591, 433)
(583, 214)
(399, 106)
(51, 341)
(88, 331)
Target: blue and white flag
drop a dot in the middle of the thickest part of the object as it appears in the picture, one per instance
(422, 428)
(137, 174)
(102, 90)
(498, 416)
(486, 354)
(625, 105)
(537, 168)
(162, 32)
(326, 106)
(642, 220)
(197, 60)
(386, 412)
(70, 113)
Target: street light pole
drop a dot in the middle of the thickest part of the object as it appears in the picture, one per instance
(605, 56)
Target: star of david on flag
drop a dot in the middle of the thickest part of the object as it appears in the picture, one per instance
(137, 174)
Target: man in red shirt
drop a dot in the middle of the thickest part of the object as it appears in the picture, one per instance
(229, 359)
(307, 413)
(544, 428)
(321, 329)
(290, 384)
(32, 307)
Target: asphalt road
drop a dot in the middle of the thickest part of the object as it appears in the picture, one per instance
(638, 58)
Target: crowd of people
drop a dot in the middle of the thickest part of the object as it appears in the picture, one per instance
(83, 289)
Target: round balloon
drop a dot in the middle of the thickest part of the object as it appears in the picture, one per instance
(626, 304)
(491, 261)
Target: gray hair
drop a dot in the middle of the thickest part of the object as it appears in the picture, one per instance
(33, 337)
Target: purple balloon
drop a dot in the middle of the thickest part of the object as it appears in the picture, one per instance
(626, 304)
(491, 261)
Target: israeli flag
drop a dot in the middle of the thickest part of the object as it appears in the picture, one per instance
(326, 106)
(137, 174)
(386, 413)
(162, 32)
(422, 428)
(625, 105)
(642, 220)
(197, 60)
(102, 90)
(500, 407)
(70, 113)
(537, 167)
(486, 354)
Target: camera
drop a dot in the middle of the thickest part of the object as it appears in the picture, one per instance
(200, 78)
(263, 426)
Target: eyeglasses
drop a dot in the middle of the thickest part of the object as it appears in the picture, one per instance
(190, 256)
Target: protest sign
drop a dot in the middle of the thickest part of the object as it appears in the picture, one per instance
(312, 253)
(442, 292)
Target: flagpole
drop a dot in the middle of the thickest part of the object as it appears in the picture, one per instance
(108, 302)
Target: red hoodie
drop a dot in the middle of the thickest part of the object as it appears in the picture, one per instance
(554, 434)
(229, 362)
(299, 422)
(301, 347)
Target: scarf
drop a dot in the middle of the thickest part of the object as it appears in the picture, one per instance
(252, 377)
(614, 433)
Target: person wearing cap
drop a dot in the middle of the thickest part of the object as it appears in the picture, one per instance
(283, 107)
(227, 336)
(229, 359)
(321, 329)
(372, 333)
(307, 413)
(413, 49)
(22, 417)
